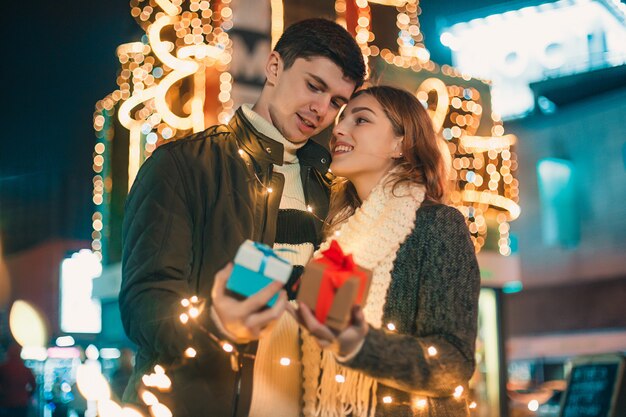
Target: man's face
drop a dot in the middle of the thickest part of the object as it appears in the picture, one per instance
(307, 96)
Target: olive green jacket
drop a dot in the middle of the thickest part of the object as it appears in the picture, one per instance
(193, 203)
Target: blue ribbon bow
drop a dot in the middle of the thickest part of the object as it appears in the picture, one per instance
(269, 253)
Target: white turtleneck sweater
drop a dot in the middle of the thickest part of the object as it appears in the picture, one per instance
(277, 389)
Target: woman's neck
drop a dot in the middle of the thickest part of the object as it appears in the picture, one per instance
(365, 183)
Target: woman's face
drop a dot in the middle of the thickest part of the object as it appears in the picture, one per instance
(363, 143)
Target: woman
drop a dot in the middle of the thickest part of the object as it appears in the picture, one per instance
(410, 351)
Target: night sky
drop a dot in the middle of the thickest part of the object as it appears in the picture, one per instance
(59, 61)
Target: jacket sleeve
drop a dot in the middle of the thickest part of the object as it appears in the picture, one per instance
(446, 319)
(157, 260)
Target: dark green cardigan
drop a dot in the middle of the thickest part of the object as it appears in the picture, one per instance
(433, 301)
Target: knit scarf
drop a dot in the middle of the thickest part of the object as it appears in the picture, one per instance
(373, 235)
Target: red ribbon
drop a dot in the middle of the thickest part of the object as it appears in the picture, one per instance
(339, 268)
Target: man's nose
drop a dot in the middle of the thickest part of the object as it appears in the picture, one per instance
(320, 106)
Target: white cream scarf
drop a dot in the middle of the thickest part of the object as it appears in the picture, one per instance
(373, 235)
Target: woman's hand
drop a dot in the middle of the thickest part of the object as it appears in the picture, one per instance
(344, 343)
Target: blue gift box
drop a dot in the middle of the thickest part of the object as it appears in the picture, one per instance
(256, 266)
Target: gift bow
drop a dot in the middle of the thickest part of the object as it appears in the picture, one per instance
(340, 268)
(269, 253)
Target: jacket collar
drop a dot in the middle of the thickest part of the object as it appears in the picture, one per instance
(265, 149)
(259, 146)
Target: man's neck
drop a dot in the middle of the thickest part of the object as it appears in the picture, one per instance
(265, 127)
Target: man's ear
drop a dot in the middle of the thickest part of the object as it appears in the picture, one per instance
(273, 67)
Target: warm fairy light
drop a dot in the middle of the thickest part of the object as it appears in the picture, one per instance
(194, 312)
(184, 318)
(432, 351)
(337, 233)
(227, 347)
(421, 403)
(285, 361)
(278, 20)
(194, 299)
(270, 190)
(340, 378)
(92, 384)
(149, 398)
(391, 326)
(130, 412)
(160, 410)
(157, 380)
(387, 400)
(27, 325)
(457, 111)
(473, 405)
(309, 209)
(185, 302)
(458, 391)
(108, 408)
(494, 200)
(484, 144)
(533, 405)
(241, 152)
(190, 352)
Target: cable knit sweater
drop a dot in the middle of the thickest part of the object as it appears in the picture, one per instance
(432, 300)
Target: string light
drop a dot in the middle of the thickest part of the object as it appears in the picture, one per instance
(391, 327)
(185, 302)
(457, 113)
(149, 398)
(227, 347)
(340, 378)
(160, 410)
(421, 403)
(194, 312)
(432, 351)
(270, 190)
(190, 352)
(473, 405)
(285, 361)
(387, 400)
(194, 299)
(184, 318)
(458, 392)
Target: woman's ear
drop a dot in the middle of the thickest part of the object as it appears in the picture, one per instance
(273, 67)
(397, 149)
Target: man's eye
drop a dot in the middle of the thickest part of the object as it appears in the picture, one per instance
(312, 87)
(335, 104)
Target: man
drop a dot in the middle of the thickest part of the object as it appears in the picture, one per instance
(196, 200)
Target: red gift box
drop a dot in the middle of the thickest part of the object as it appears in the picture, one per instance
(331, 285)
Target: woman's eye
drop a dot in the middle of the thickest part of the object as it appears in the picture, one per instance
(360, 120)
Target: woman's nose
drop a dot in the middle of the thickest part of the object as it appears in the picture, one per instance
(338, 130)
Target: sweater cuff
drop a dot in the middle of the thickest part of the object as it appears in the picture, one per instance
(348, 357)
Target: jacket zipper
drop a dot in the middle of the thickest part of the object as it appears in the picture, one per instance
(236, 361)
(267, 178)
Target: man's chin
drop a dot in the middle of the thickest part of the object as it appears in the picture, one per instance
(298, 139)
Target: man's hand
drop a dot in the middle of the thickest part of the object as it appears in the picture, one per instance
(343, 343)
(247, 319)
